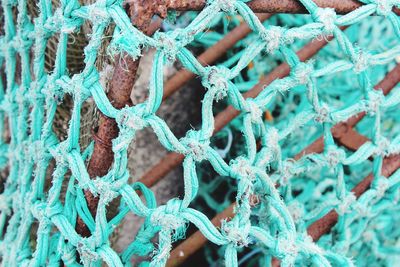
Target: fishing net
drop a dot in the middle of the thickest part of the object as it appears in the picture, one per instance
(309, 189)
(278, 101)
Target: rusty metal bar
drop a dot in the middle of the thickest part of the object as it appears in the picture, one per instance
(121, 86)
(273, 6)
(347, 137)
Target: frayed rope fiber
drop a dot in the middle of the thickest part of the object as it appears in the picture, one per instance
(277, 225)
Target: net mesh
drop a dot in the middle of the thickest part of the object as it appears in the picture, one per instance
(274, 200)
(216, 192)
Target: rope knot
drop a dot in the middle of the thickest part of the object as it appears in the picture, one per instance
(239, 236)
(323, 114)
(168, 45)
(273, 138)
(384, 7)
(287, 171)
(381, 186)
(65, 22)
(361, 61)
(165, 221)
(37, 150)
(302, 71)
(254, 110)
(131, 118)
(21, 43)
(38, 209)
(104, 189)
(334, 155)
(8, 103)
(168, 218)
(56, 208)
(60, 153)
(53, 92)
(362, 210)
(196, 148)
(241, 168)
(227, 6)
(273, 37)
(375, 99)
(216, 79)
(74, 86)
(287, 250)
(345, 203)
(382, 146)
(87, 251)
(326, 16)
(21, 98)
(35, 94)
(125, 42)
(97, 14)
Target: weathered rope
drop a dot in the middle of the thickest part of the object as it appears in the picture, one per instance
(30, 105)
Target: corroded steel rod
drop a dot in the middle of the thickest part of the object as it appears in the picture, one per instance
(119, 93)
(272, 6)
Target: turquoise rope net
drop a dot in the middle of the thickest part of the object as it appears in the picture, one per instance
(316, 95)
